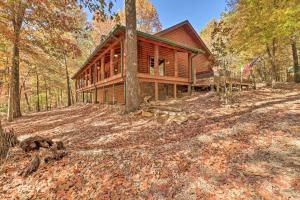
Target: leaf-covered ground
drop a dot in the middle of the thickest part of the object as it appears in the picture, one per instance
(249, 150)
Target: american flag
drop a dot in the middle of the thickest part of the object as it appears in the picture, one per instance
(246, 68)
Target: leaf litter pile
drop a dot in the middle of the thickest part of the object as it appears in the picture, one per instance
(249, 149)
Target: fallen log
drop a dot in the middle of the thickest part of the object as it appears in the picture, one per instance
(31, 168)
(55, 155)
(34, 143)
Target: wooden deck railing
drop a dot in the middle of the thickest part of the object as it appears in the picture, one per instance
(107, 81)
(162, 79)
(221, 80)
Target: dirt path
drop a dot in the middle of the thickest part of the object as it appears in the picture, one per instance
(249, 150)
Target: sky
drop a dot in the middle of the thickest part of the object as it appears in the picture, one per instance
(171, 12)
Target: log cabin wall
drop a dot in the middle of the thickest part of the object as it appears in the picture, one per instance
(169, 56)
(182, 65)
(164, 90)
(184, 36)
(100, 95)
(119, 93)
(146, 51)
(111, 94)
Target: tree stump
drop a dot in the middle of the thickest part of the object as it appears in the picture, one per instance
(4, 146)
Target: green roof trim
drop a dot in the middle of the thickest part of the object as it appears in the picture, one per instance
(139, 33)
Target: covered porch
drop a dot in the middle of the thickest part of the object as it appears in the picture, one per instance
(164, 68)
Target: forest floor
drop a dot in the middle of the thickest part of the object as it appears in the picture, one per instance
(248, 150)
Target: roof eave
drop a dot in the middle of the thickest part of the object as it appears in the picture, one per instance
(111, 33)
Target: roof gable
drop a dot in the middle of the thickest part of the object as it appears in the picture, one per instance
(184, 33)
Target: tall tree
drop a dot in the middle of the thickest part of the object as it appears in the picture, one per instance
(68, 81)
(263, 27)
(132, 84)
(17, 12)
(20, 19)
(146, 15)
(296, 61)
(147, 18)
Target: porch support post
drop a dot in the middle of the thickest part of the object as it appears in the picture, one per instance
(113, 98)
(123, 72)
(156, 57)
(175, 91)
(95, 96)
(90, 73)
(86, 78)
(83, 79)
(111, 63)
(190, 89)
(190, 73)
(102, 67)
(94, 73)
(122, 58)
(176, 63)
(156, 90)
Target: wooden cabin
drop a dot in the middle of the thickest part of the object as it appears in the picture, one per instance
(169, 64)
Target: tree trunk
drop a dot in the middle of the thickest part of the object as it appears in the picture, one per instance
(296, 62)
(26, 97)
(14, 110)
(46, 98)
(46, 94)
(272, 60)
(38, 108)
(61, 98)
(68, 82)
(132, 84)
(10, 101)
(50, 96)
(56, 100)
(72, 97)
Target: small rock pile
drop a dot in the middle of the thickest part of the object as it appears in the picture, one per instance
(165, 113)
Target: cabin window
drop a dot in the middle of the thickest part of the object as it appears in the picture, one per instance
(151, 66)
(161, 66)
